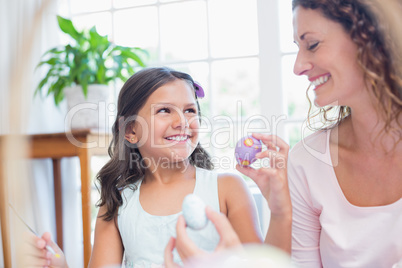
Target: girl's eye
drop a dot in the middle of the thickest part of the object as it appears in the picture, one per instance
(191, 110)
(313, 46)
(164, 110)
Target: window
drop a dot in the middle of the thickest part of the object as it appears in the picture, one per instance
(241, 51)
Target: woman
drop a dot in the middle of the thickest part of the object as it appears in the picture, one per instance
(346, 180)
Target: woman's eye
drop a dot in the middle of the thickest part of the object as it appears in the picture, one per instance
(313, 46)
(193, 111)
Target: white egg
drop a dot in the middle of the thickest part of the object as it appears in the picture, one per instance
(194, 212)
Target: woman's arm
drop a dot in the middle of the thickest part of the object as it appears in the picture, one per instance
(238, 205)
(108, 247)
(306, 227)
(273, 183)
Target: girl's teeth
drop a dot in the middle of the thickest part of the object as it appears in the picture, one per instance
(178, 138)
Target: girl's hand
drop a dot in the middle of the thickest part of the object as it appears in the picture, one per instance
(272, 180)
(38, 256)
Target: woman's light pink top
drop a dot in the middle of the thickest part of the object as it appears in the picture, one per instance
(327, 230)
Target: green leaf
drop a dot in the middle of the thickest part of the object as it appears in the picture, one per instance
(58, 90)
(91, 59)
(98, 42)
(67, 27)
(55, 51)
(100, 74)
(52, 61)
(41, 85)
(84, 84)
(49, 77)
(132, 55)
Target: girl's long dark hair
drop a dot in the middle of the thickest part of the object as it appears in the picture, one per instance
(378, 55)
(125, 167)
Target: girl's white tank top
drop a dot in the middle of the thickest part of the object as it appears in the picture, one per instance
(145, 236)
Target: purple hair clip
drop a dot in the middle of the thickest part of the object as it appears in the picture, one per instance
(199, 91)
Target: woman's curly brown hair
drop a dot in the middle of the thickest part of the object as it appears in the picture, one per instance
(378, 55)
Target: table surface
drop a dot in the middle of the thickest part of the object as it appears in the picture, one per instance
(69, 143)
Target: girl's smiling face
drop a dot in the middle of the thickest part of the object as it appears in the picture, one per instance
(328, 57)
(167, 125)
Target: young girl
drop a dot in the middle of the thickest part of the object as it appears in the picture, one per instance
(156, 160)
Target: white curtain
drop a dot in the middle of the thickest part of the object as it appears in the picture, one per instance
(28, 29)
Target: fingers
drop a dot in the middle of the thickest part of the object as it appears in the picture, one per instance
(181, 226)
(187, 248)
(264, 173)
(184, 245)
(272, 180)
(34, 246)
(47, 238)
(248, 171)
(263, 178)
(57, 259)
(218, 219)
(34, 241)
(37, 254)
(228, 236)
(273, 142)
(32, 261)
(277, 151)
(168, 254)
(34, 251)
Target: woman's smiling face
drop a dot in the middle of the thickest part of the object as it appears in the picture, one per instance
(167, 125)
(328, 57)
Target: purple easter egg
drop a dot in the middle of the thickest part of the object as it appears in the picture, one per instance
(246, 149)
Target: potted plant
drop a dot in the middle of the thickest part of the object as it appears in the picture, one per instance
(80, 67)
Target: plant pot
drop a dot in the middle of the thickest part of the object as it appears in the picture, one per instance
(87, 113)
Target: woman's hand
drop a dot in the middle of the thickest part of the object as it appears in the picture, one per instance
(273, 183)
(272, 180)
(169, 262)
(38, 256)
(187, 248)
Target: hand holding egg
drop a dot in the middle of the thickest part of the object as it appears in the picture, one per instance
(246, 149)
(194, 212)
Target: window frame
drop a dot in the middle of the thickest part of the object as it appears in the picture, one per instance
(273, 104)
